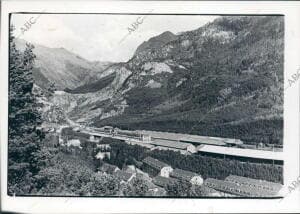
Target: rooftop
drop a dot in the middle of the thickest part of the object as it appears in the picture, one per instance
(236, 189)
(255, 183)
(170, 143)
(154, 163)
(108, 168)
(252, 153)
(125, 176)
(183, 174)
(163, 181)
(190, 138)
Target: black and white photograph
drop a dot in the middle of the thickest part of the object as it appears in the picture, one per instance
(147, 105)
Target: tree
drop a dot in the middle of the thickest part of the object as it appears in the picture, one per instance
(52, 88)
(180, 188)
(23, 136)
(102, 185)
(137, 187)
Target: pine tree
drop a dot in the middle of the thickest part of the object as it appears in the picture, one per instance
(24, 138)
(52, 88)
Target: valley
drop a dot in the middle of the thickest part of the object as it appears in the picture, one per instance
(210, 81)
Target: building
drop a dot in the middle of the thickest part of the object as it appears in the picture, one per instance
(264, 185)
(203, 140)
(130, 168)
(104, 147)
(95, 139)
(277, 157)
(101, 155)
(108, 129)
(135, 142)
(210, 192)
(233, 142)
(193, 139)
(174, 145)
(163, 181)
(159, 167)
(74, 143)
(124, 176)
(189, 176)
(109, 168)
(234, 189)
(76, 129)
(146, 138)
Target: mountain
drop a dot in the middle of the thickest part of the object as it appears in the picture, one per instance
(62, 67)
(156, 42)
(223, 79)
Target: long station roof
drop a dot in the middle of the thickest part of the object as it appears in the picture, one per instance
(190, 138)
(170, 143)
(251, 153)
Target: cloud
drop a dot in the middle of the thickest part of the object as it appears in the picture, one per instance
(97, 37)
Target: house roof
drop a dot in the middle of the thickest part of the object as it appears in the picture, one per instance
(154, 163)
(183, 174)
(170, 143)
(255, 183)
(237, 189)
(163, 181)
(108, 168)
(101, 155)
(125, 176)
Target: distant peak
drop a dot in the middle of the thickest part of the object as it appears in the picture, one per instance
(168, 33)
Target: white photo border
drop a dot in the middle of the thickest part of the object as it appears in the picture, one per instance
(291, 12)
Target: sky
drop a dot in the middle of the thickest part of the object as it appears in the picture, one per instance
(98, 37)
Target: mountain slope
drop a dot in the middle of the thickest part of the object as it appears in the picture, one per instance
(62, 67)
(224, 79)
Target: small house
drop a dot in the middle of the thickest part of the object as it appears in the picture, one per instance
(163, 181)
(163, 144)
(146, 138)
(160, 167)
(189, 176)
(109, 168)
(74, 143)
(94, 138)
(101, 155)
(124, 176)
(104, 147)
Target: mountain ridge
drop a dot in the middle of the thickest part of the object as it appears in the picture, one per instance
(62, 67)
